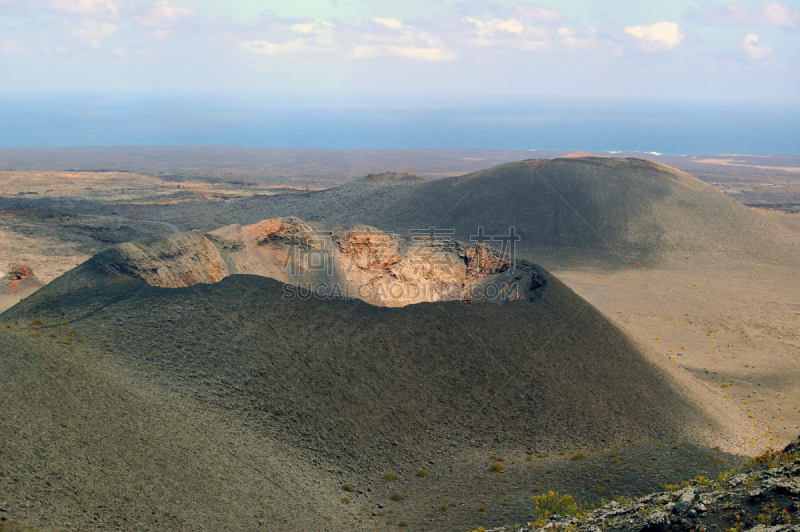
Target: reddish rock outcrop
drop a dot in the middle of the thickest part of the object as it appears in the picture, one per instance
(364, 262)
(20, 278)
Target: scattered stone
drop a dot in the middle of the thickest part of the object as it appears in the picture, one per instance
(764, 500)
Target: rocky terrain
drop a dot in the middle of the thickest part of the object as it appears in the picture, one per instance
(20, 278)
(361, 262)
(764, 497)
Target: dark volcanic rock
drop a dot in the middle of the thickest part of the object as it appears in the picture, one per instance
(765, 498)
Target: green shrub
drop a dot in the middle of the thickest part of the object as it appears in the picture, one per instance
(398, 496)
(422, 473)
(552, 503)
(725, 475)
(388, 477)
(348, 488)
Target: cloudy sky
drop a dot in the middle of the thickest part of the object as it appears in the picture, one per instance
(396, 50)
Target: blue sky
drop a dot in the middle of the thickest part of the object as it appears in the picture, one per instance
(406, 52)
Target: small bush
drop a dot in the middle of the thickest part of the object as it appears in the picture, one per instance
(481, 508)
(388, 477)
(348, 488)
(64, 323)
(726, 475)
(579, 456)
(398, 496)
(497, 466)
(444, 508)
(422, 473)
(36, 323)
(552, 503)
(346, 500)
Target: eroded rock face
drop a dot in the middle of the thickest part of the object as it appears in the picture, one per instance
(315, 261)
(20, 277)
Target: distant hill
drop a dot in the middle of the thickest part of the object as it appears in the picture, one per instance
(391, 178)
(582, 208)
(281, 166)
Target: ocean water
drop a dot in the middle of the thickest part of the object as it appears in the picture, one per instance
(669, 128)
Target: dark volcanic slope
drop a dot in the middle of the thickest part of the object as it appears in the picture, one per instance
(548, 374)
(315, 393)
(599, 207)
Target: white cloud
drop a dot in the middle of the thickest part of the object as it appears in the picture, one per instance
(83, 6)
(431, 54)
(391, 23)
(577, 41)
(359, 39)
(486, 29)
(309, 27)
(95, 29)
(657, 37)
(771, 14)
(269, 48)
(753, 51)
(302, 28)
(289, 49)
(777, 14)
(92, 31)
